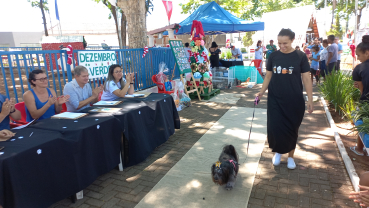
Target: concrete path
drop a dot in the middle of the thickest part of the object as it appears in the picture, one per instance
(320, 179)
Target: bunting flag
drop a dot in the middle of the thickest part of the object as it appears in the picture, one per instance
(169, 8)
(56, 10)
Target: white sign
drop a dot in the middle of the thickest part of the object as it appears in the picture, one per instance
(97, 62)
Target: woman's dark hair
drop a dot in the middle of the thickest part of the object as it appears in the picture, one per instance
(257, 44)
(316, 48)
(364, 45)
(32, 76)
(111, 77)
(187, 44)
(325, 41)
(214, 44)
(287, 32)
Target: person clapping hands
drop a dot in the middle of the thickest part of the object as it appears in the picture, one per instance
(116, 86)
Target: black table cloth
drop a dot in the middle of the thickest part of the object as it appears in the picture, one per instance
(95, 141)
(64, 156)
(231, 63)
(147, 123)
(36, 171)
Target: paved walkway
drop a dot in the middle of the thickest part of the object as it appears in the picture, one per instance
(320, 179)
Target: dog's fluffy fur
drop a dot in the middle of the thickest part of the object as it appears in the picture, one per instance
(227, 172)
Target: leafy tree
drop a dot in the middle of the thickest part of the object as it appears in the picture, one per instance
(123, 25)
(343, 8)
(247, 39)
(246, 9)
(336, 29)
(43, 5)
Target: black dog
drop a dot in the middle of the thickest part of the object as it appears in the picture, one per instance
(225, 170)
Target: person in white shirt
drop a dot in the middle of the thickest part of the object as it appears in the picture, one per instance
(323, 59)
(236, 52)
(116, 86)
(259, 51)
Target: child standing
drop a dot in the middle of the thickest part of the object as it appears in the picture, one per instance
(314, 67)
(323, 58)
(361, 77)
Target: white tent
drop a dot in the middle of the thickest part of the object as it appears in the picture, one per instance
(297, 19)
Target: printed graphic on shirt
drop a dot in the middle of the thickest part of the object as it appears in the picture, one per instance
(283, 70)
(290, 69)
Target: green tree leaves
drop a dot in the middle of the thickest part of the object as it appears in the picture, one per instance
(247, 39)
(247, 9)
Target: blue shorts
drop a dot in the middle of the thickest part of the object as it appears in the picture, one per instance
(323, 68)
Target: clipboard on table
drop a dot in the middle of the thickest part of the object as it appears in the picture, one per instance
(69, 115)
(112, 103)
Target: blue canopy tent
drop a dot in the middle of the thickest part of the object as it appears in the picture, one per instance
(216, 20)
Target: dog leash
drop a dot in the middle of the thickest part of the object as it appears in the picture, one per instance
(256, 102)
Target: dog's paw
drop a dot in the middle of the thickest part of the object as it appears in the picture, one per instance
(229, 187)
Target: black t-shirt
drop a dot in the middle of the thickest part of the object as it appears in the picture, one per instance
(361, 74)
(287, 69)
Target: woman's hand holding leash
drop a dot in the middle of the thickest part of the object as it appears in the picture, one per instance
(259, 95)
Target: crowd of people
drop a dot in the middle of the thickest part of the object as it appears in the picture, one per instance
(42, 102)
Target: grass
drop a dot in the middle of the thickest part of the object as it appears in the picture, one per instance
(339, 91)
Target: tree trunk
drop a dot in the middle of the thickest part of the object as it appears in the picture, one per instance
(114, 13)
(135, 11)
(43, 17)
(123, 29)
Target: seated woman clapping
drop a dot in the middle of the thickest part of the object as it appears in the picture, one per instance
(116, 86)
(41, 102)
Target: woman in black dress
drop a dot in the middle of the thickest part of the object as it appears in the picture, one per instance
(286, 104)
(214, 58)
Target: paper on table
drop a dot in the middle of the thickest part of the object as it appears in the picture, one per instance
(23, 126)
(107, 102)
(135, 95)
(69, 115)
(105, 110)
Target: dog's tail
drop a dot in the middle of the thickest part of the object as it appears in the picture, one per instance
(230, 150)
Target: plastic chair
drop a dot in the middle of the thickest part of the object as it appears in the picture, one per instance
(64, 108)
(100, 94)
(14, 123)
(161, 84)
(257, 63)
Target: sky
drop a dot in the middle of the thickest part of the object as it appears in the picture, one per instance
(74, 11)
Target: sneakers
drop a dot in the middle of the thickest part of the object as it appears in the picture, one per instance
(277, 159)
(291, 163)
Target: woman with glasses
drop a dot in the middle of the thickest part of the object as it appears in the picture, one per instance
(41, 102)
(116, 86)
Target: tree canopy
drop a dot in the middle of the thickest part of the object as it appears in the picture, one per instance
(43, 5)
(247, 9)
